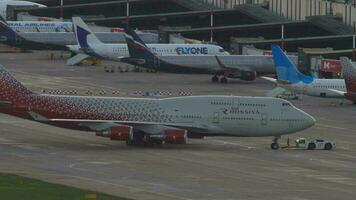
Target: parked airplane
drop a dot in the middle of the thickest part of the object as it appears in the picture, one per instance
(349, 74)
(244, 67)
(290, 78)
(5, 3)
(12, 38)
(91, 45)
(57, 41)
(40, 26)
(154, 121)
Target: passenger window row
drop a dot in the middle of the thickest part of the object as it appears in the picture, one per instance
(329, 86)
(191, 116)
(286, 120)
(239, 118)
(220, 103)
(253, 104)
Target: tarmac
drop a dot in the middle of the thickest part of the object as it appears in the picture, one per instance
(210, 168)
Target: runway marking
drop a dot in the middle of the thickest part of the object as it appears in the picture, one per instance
(333, 178)
(236, 144)
(335, 127)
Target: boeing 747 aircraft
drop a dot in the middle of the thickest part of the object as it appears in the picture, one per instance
(290, 78)
(244, 67)
(154, 121)
(116, 52)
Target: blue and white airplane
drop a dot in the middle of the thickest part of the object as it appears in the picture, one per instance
(290, 78)
(91, 45)
(216, 62)
(244, 67)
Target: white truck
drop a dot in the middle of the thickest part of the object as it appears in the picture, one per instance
(314, 144)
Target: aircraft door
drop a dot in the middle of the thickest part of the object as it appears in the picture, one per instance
(264, 119)
(156, 62)
(216, 117)
(17, 40)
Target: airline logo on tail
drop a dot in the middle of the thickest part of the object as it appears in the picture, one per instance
(286, 70)
(82, 35)
(349, 74)
(137, 48)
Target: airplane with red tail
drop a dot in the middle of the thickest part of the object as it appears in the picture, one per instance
(155, 121)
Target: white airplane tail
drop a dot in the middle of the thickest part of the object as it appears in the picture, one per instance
(85, 37)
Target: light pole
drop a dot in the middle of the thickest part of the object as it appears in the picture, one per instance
(211, 24)
(127, 13)
(61, 10)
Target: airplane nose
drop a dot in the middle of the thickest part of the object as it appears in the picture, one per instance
(310, 120)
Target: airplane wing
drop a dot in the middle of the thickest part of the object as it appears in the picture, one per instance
(99, 125)
(338, 92)
(273, 80)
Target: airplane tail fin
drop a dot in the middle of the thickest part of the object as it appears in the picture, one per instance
(7, 35)
(137, 48)
(285, 69)
(85, 37)
(10, 88)
(349, 74)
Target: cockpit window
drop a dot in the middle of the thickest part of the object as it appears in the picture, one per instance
(286, 104)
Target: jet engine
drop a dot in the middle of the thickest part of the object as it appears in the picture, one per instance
(121, 133)
(175, 136)
(248, 75)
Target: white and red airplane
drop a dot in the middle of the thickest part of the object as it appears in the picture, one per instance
(154, 121)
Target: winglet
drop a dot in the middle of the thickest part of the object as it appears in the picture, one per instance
(349, 74)
(285, 69)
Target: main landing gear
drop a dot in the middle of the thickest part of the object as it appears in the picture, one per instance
(215, 79)
(275, 144)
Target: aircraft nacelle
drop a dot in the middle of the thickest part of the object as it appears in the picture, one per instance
(121, 133)
(244, 75)
(248, 75)
(175, 136)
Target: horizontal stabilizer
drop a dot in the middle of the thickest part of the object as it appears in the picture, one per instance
(272, 80)
(38, 117)
(337, 92)
(75, 60)
(5, 103)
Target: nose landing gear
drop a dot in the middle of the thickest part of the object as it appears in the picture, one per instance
(275, 143)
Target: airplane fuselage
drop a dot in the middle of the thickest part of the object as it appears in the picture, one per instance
(208, 115)
(210, 64)
(116, 51)
(319, 87)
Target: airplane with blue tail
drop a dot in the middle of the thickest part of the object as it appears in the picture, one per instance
(91, 45)
(10, 37)
(244, 67)
(290, 78)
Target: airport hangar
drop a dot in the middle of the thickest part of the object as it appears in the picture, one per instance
(233, 28)
(192, 20)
